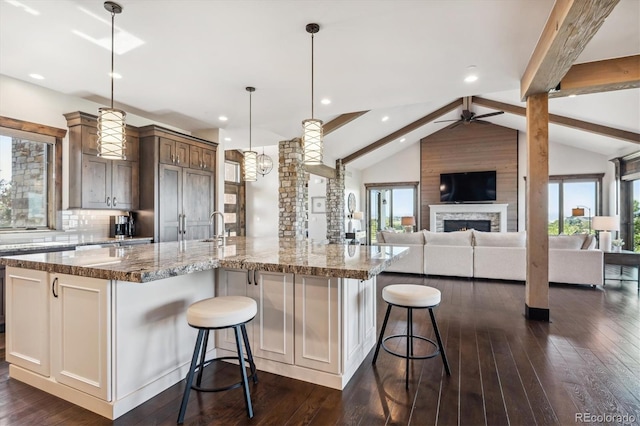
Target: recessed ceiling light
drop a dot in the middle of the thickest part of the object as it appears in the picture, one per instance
(115, 75)
(470, 78)
(223, 118)
(385, 118)
(36, 76)
(227, 139)
(325, 101)
(572, 96)
(402, 140)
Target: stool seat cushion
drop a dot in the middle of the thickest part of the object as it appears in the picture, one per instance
(222, 311)
(411, 295)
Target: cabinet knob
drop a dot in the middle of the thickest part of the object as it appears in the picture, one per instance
(178, 159)
(108, 201)
(173, 158)
(114, 202)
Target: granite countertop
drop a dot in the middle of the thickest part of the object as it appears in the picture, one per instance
(31, 245)
(150, 262)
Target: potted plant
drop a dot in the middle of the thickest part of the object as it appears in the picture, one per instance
(617, 244)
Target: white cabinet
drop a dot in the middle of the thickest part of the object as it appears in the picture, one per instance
(359, 314)
(27, 326)
(80, 331)
(271, 331)
(73, 314)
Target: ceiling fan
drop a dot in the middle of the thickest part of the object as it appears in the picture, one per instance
(468, 116)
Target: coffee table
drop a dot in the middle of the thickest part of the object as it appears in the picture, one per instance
(623, 258)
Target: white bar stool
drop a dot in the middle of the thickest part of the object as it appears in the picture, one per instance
(411, 296)
(213, 314)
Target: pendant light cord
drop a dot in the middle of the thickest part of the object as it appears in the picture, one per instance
(311, 75)
(250, 121)
(113, 14)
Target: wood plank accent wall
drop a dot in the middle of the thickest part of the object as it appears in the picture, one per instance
(470, 148)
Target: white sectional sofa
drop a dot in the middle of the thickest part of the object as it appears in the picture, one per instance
(573, 259)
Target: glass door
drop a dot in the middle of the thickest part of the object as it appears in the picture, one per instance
(387, 205)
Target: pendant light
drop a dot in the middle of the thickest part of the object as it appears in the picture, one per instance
(111, 121)
(312, 128)
(250, 157)
(265, 163)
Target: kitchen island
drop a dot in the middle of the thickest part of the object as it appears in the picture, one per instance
(106, 328)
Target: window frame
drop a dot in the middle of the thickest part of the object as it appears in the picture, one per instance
(389, 186)
(588, 177)
(54, 168)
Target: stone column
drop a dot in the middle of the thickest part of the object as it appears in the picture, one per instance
(292, 191)
(335, 206)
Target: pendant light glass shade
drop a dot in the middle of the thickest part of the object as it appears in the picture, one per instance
(312, 128)
(250, 166)
(265, 163)
(111, 133)
(112, 138)
(250, 157)
(312, 141)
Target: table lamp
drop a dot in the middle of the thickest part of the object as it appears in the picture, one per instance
(605, 224)
(407, 223)
(358, 216)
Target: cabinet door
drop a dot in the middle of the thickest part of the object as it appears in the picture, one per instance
(124, 190)
(195, 157)
(170, 203)
(359, 320)
(231, 282)
(317, 323)
(27, 328)
(2, 299)
(273, 325)
(80, 334)
(167, 151)
(132, 150)
(197, 201)
(208, 159)
(182, 154)
(90, 140)
(96, 182)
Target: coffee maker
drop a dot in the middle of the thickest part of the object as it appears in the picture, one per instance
(120, 226)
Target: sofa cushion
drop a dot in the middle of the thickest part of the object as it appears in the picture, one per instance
(589, 242)
(500, 239)
(403, 237)
(457, 238)
(567, 242)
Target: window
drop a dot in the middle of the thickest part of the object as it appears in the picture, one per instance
(387, 204)
(231, 171)
(569, 192)
(29, 163)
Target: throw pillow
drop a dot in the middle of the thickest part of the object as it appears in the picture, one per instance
(589, 242)
(457, 238)
(566, 242)
(500, 239)
(379, 237)
(403, 237)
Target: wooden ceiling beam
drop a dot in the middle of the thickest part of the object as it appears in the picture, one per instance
(571, 25)
(340, 121)
(403, 131)
(600, 76)
(563, 121)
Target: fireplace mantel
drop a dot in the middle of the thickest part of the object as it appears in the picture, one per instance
(438, 212)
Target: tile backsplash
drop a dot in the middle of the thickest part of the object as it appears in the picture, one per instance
(94, 222)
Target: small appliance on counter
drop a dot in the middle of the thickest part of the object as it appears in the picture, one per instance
(123, 226)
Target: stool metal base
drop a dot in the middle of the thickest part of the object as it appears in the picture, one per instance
(409, 355)
(201, 349)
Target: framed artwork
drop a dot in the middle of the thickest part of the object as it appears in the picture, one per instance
(318, 204)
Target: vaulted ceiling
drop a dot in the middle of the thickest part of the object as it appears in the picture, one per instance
(185, 63)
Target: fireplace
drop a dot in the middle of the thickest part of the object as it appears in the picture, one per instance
(496, 214)
(463, 225)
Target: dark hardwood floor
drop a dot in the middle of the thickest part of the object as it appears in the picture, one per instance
(505, 370)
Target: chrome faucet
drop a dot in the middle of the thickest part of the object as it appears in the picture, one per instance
(219, 238)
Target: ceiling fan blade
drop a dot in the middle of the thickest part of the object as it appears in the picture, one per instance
(481, 122)
(454, 125)
(445, 121)
(491, 114)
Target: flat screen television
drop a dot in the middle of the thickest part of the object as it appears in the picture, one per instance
(468, 187)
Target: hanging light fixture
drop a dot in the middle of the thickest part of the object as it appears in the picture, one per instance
(111, 121)
(312, 128)
(265, 163)
(250, 157)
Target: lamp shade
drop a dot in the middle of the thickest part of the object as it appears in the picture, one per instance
(312, 141)
(358, 215)
(111, 133)
(606, 223)
(578, 211)
(408, 221)
(250, 166)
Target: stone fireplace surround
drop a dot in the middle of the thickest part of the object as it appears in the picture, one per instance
(496, 213)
